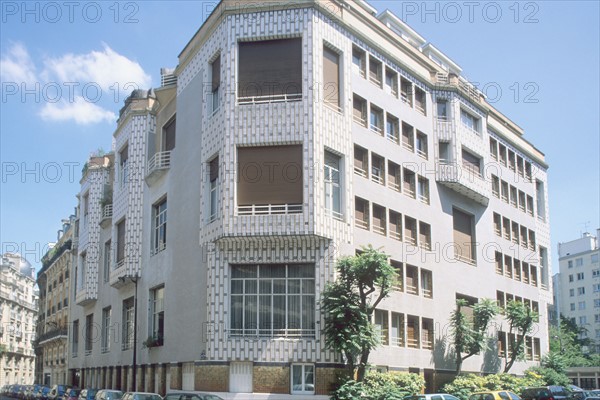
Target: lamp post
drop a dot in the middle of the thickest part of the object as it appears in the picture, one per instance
(135, 280)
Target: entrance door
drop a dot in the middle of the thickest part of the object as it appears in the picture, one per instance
(240, 377)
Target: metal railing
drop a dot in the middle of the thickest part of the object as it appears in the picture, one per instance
(377, 129)
(413, 343)
(396, 234)
(360, 171)
(107, 211)
(379, 229)
(277, 98)
(393, 185)
(270, 209)
(361, 120)
(160, 160)
(361, 223)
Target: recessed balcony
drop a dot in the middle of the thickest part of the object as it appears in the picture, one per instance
(158, 165)
(465, 181)
(85, 297)
(107, 213)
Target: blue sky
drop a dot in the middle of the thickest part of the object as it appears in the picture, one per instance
(65, 71)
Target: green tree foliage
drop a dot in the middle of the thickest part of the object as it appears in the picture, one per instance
(464, 385)
(550, 376)
(381, 386)
(469, 334)
(520, 319)
(363, 281)
(566, 347)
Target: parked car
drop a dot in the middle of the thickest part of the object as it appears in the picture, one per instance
(141, 396)
(546, 393)
(43, 394)
(72, 394)
(87, 394)
(195, 396)
(432, 396)
(494, 395)
(106, 394)
(57, 392)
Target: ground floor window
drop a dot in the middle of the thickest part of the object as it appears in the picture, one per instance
(303, 379)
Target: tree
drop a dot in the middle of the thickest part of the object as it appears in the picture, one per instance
(566, 344)
(469, 334)
(520, 319)
(363, 281)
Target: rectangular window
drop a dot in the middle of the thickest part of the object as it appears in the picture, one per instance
(494, 148)
(270, 70)
(412, 331)
(375, 70)
(359, 110)
(106, 266)
(520, 166)
(408, 136)
(169, 130)
(581, 305)
(528, 173)
(596, 303)
(399, 268)
(391, 82)
(382, 325)
(75, 338)
(406, 92)
(395, 225)
(82, 275)
(504, 191)
(594, 258)
(464, 236)
(331, 78)
(541, 200)
(498, 224)
(420, 101)
(333, 194)
(511, 160)
(120, 243)
(89, 334)
(524, 242)
(157, 312)
(502, 154)
(423, 190)
(442, 110)
(412, 280)
(361, 161)
(128, 324)
(86, 206)
(409, 184)
(105, 330)
(213, 168)
(596, 287)
(499, 264)
(427, 283)
(377, 169)
(471, 163)
(571, 292)
(579, 262)
(159, 226)
(571, 278)
(410, 230)
(215, 69)
(303, 379)
(265, 189)
(376, 121)
(469, 121)
(532, 242)
(359, 61)
(422, 149)
(424, 235)
(379, 219)
(398, 334)
(444, 151)
(426, 333)
(496, 186)
(513, 196)
(273, 300)
(515, 232)
(361, 213)
(392, 129)
(580, 291)
(124, 165)
(522, 204)
(393, 180)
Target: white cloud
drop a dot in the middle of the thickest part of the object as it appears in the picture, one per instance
(16, 66)
(81, 111)
(105, 68)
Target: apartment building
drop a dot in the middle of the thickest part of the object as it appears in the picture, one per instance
(577, 286)
(53, 282)
(286, 137)
(18, 315)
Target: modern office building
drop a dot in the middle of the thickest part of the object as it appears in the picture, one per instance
(53, 281)
(287, 136)
(18, 316)
(577, 286)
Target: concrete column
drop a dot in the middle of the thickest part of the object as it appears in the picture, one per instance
(150, 374)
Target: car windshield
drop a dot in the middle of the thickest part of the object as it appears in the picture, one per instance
(74, 392)
(147, 397)
(114, 395)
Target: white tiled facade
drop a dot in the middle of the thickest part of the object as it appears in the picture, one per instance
(197, 265)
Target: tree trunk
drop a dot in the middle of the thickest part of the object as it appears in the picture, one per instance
(362, 365)
(514, 354)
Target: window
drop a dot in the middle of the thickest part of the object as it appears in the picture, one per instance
(375, 70)
(270, 70)
(75, 338)
(303, 379)
(570, 263)
(81, 283)
(361, 161)
(520, 166)
(423, 190)
(359, 110)
(528, 173)
(399, 283)
(168, 141)
(513, 196)
(530, 210)
(398, 329)
(596, 287)
(106, 329)
(469, 121)
(213, 171)
(594, 258)
(580, 276)
(442, 109)
(273, 300)
(412, 331)
(382, 326)
(504, 191)
(391, 82)
(409, 184)
(464, 236)
(215, 70)
(596, 303)
(498, 224)
(159, 226)
(522, 205)
(270, 180)
(425, 235)
(427, 283)
(333, 195)
(121, 243)
(331, 78)
(379, 219)
(422, 145)
(406, 91)
(571, 292)
(427, 333)
(106, 266)
(361, 213)
(444, 151)
(86, 207)
(412, 280)
(515, 232)
(410, 230)
(494, 148)
(393, 180)
(420, 102)
(157, 312)
(579, 262)
(583, 321)
(408, 136)
(377, 169)
(471, 163)
(392, 129)
(541, 200)
(376, 122)
(580, 291)
(595, 273)
(511, 160)
(359, 61)
(89, 334)
(496, 186)
(581, 305)
(502, 154)
(123, 165)
(571, 278)
(128, 324)
(395, 225)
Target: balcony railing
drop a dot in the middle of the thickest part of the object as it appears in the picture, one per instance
(361, 120)
(413, 343)
(278, 98)
(377, 129)
(393, 185)
(395, 234)
(397, 341)
(360, 171)
(160, 160)
(361, 223)
(270, 209)
(107, 211)
(379, 229)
